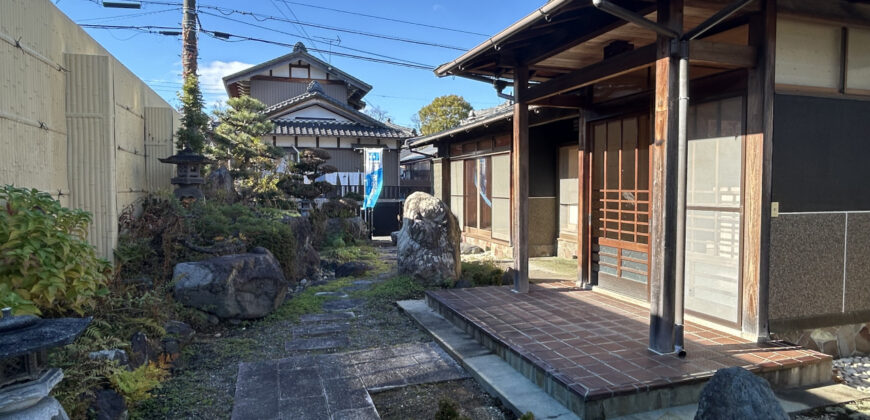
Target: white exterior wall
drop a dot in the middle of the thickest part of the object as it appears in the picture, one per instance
(74, 121)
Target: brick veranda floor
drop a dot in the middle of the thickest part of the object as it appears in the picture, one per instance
(597, 345)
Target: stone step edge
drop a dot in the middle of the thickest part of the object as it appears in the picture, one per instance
(494, 374)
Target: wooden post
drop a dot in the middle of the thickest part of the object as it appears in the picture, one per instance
(664, 185)
(520, 182)
(188, 32)
(756, 196)
(583, 221)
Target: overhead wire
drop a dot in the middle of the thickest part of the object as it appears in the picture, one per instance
(301, 28)
(220, 35)
(338, 46)
(262, 18)
(426, 25)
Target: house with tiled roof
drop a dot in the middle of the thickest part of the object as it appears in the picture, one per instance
(315, 105)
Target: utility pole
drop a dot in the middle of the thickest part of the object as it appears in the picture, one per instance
(188, 34)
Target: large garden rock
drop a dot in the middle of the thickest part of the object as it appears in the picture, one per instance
(219, 185)
(239, 286)
(428, 244)
(735, 394)
(352, 269)
(306, 261)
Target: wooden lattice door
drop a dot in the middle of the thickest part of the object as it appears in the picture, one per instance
(620, 204)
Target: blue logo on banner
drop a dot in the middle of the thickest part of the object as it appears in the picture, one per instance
(374, 178)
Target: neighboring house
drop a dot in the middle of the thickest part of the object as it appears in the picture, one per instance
(777, 225)
(415, 169)
(76, 123)
(315, 105)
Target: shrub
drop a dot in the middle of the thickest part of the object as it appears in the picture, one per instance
(482, 273)
(448, 410)
(136, 385)
(220, 222)
(341, 207)
(46, 263)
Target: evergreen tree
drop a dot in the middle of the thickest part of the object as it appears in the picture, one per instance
(445, 112)
(238, 144)
(311, 165)
(194, 122)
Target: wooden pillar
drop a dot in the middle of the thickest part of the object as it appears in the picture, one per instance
(662, 280)
(520, 183)
(583, 220)
(758, 150)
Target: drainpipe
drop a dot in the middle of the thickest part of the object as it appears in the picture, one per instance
(682, 153)
(680, 46)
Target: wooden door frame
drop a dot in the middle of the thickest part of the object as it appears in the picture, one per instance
(587, 169)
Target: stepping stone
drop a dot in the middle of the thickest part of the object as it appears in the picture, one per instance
(320, 330)
(327, 317)
(317, 343)
(341, 304)
(332, 294)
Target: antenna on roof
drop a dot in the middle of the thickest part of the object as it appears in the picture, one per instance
(331, 42)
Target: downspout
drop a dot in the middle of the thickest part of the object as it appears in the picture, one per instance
(682, 168)
(680, 45)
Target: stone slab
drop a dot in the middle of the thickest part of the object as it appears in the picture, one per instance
(320, 330)
(496, 376)
(331, 294)
(327, 317)
(341, 305)
(317, 343)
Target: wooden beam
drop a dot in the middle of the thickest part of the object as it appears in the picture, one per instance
(719, 54)
(561, 101)
(520, 185)
(588, 26)
(845, 12)
(623, 63)
(662, 279)
(757, 176)
(584, 154)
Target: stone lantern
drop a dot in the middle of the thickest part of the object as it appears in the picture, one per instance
(25, 380)
(188, 176)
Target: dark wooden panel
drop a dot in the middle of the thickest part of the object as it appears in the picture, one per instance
(820, 152)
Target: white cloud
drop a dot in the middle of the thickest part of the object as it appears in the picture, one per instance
(211, 74)
(437, 7)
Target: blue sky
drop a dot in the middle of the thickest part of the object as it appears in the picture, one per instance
(398, 90)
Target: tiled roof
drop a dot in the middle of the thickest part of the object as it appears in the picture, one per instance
(335, 128)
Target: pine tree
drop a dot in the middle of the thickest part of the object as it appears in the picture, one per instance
(238, 144)
(194, 122)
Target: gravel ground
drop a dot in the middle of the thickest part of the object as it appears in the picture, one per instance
(854, 372)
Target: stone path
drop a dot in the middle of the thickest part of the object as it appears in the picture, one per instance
(334, 385)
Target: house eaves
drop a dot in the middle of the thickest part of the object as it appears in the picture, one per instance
(542, 13)
(299, 52)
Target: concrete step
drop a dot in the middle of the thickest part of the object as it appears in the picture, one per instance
(496, 376)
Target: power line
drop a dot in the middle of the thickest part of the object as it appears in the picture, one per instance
(301, 28)
(339, 46)
(384, 18)
(128, 16)
(223, 36)
(262, 18)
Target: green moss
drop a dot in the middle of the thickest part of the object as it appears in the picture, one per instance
(393, 289)
(482, 273)
(306, 302)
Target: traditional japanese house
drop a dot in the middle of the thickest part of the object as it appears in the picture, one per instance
(315, 105)
(715, 156)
